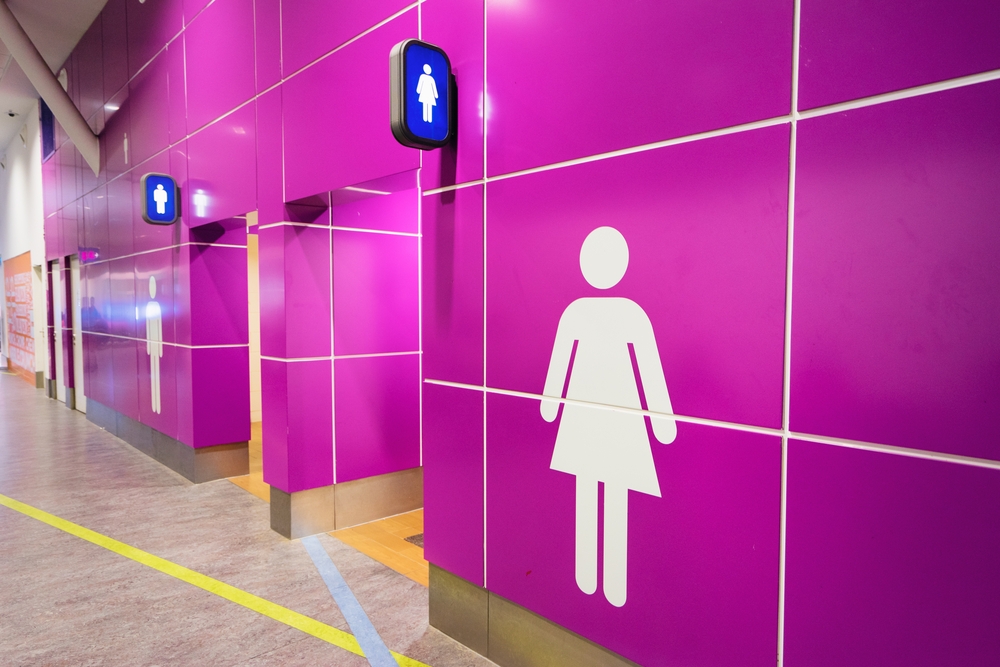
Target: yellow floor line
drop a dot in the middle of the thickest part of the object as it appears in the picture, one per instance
(281, 614)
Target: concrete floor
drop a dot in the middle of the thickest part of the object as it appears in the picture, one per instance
(64, 601)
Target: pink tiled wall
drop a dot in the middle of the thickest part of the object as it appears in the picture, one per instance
(833, 461)
(812, 228)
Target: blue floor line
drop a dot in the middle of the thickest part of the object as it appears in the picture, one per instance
(376, 651)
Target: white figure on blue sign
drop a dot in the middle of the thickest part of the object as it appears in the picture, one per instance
(160, 197)
(154, 344)
(427, 93)
(596, 443)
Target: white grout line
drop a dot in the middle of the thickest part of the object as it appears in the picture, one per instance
(168, 247)
(457, 186)
(746, 127)
(375, 231)
(182, 345)
(908, 452)
(485, 124)
(906, 93)
(344, 45)
(333, 377)
(747, 428)
(786, 391)
(378, 354)
(293, 360)
(734, 426)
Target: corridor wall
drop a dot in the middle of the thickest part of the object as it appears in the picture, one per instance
(807, 194)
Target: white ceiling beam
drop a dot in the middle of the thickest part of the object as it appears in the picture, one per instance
(24, 52)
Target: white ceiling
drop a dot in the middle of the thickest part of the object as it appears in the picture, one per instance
(55, 27)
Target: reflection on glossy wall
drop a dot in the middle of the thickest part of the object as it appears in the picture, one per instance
(832, 493)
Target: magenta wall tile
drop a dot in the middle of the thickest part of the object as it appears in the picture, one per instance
(705, 225)
(274, 426)
(150, 117)
(99, 373)
(222, 167)
(150, 26)
(702, 579)
(375, 293)
(311, 28)
(88, 65)
(352, 144)
(96, 238)
(123, 313)
(97, 311)
(267, 42)
(192, 8)
(296, 317)
(891, 560)
(161, 416)
(377, 415)
(119, 197)
(453, 480)
(114, 37)
(179, 170)
(452, 274)
(896, 293)
(126, 372)
(271, 271)
(662, 70)
(217, 309)
(270, 179)
(220, 395)
(395, 212)
(457, 27)
(220, 60)
(70, 236)
(849, 50)
(176, 91)
(297, 398)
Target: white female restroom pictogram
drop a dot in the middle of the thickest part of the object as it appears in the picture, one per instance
(597, 443)
(427, 93)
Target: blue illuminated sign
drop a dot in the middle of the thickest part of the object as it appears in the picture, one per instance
(421, 95)
(160, 199)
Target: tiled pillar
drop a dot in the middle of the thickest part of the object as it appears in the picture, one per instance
(340, 363)
(212, 357)
(296, 383)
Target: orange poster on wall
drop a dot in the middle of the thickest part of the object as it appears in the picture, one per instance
(20, 316)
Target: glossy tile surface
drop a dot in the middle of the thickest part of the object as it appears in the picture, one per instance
(719, 514)
(849, 50)
(619, 75)
(890, 560)
(377, 415)
(896, 292)
(705, 228)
